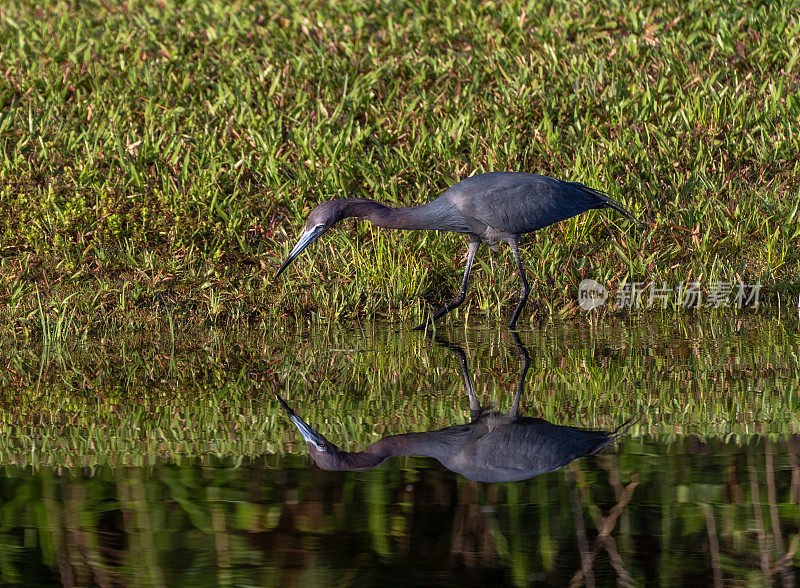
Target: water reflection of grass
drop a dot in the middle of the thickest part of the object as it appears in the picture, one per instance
(142, 397)
(642, 515)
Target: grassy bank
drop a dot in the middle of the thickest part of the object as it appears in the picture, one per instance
(156, 160)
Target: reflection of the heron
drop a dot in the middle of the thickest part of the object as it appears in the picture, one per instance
(492, 447)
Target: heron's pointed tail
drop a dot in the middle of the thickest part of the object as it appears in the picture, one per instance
(607, 201)
(606, 438)
(617, 433)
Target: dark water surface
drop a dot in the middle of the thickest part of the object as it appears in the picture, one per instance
(182, 468)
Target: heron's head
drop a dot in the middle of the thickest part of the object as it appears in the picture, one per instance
(322, 218)
(325, 454)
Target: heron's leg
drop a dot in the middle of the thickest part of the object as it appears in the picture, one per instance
(475, 409)
(523, 294)
(526, 363)
(474, 405)
(462, 294)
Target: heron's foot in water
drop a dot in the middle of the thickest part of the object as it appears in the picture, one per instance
(535, 306)
(452, 305)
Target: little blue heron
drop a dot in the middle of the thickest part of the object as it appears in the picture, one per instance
(490, 208)
(493, 447)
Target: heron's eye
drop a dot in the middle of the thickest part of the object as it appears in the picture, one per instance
(321, 447)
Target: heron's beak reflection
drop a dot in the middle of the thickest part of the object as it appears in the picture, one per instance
(306, 239)
(309, 434)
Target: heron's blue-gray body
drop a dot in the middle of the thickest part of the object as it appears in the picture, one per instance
(501, 206)
(493, 447)
(494, 207)
(491, 208)
(498, 447)
(519, 448)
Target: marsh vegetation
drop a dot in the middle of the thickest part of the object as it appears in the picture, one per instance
(159, 158)
(156, 162)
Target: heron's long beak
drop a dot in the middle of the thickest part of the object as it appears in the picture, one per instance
(306, 239)
(309, 434)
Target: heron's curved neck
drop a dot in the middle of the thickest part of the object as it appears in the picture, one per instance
(422, 444)
(412, 217)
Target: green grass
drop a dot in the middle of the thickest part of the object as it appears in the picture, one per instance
(160, 158)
